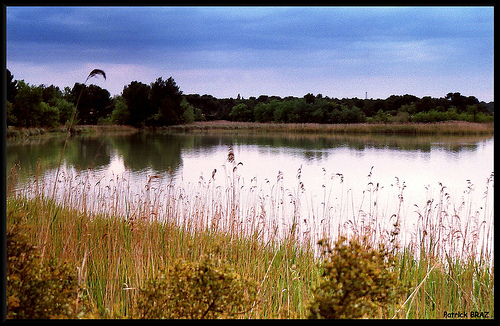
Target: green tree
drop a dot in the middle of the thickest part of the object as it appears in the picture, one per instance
(382, 116)
(65, 109)
(50, 94)
(473, 110)
(452, 113)
(284, 111)
(120, 114)
(351, 115)
(136, 96)
(241, 112)
(11, 86)
(26, 105)
(198, 115)
(9, 115)
(310, 98)
(95, 103)
(264, 112)
(188, 115)
(166, 99)
(408, 108)
(49, 115)
(332, 113)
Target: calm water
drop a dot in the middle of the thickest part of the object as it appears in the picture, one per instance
(344, 178)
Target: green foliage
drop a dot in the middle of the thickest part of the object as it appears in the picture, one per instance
(198, 115)
(65, 109)
(95, 103)
(36, 290)
(136, 96)
(381, 116)
(11, 86)
(159, 103)
(188, 115)
(156, 104)
(165, 100)
(265, 112)
(26, 105)
(120, 114)
(196, 290)
(306, 110)
(10, 116)
(49, 115)
(352, 115)
(241, 112)
(357, 279)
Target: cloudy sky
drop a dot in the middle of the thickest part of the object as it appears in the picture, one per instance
(225, 51)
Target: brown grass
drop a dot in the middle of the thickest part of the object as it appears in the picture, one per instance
(440, 128)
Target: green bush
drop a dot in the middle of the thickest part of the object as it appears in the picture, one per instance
(188, 115)
(264, 112)
(36, 290)
(357, 279)
(241, 112)
(196, 290)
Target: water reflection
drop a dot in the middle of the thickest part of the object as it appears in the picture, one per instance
(321, 179)
(140, 152)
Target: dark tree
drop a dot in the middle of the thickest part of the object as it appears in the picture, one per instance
(309, 98)
(136, 96)
(11, 86)
(26, 105)
(95, 103)
(50, 94)
(166, 98)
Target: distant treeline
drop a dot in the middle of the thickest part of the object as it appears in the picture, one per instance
(162, 103)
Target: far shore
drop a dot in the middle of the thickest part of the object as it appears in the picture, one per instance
(438, 128)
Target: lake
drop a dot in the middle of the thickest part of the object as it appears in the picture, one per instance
(274, 186)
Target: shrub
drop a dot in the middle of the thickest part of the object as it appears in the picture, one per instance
(65, 109)
(36, 290)
(188, 115)
(241, 112)
(264, 112)
(357, 279)
(196, 290)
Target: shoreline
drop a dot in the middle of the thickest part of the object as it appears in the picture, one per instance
(437, 128)
(23, 132)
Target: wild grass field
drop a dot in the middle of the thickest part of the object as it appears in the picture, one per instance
(119, 253)
(438, 128)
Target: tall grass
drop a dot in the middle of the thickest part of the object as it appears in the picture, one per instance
(440, 128)
(118, 236)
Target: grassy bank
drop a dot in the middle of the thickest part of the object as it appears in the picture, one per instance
(442, 128)
(114, 258)
(115, 254)
(19, 132)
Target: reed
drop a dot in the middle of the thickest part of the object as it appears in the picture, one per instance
(118, 237)
(440, 128)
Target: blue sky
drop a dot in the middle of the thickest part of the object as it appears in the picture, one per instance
(339, 52)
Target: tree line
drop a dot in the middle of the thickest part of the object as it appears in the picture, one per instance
(162, 103)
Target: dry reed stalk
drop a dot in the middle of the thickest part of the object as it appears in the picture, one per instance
(92, 74)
